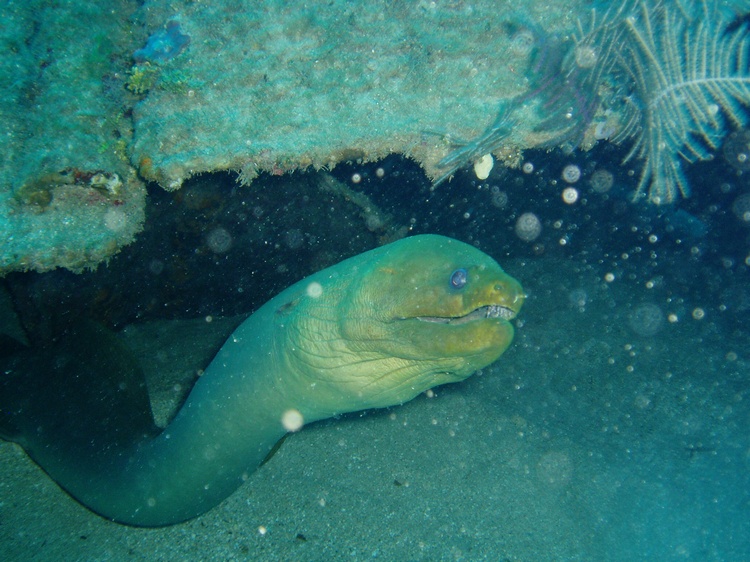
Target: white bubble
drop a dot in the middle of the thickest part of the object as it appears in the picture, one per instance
(356, 178)
(570, 195)
(527, 167)
(528, 227)
(571, 173)
(314, 290)
(292, 420)
(219, 240)
(737, 150)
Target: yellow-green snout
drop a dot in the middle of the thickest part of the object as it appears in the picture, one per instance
(431, 310)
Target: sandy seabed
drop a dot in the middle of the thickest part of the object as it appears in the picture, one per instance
(585, 441)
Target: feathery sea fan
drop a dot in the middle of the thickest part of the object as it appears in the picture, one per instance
(679, 71)
(690, 76)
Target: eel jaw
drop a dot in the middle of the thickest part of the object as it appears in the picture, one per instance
(488, 311)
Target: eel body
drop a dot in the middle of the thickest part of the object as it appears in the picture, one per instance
(372, 331)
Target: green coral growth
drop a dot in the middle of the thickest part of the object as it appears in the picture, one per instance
(142, 78)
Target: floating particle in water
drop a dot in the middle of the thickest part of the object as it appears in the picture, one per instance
(156, 266)
(646, 319)
(578, 297)
(314, 290)
(699, 313)
(570, 195)
(380, 172)
(293, 238)
(498, 198)
(356, 177)
(528, 227)
(737, 150)
(571, 173)
(527, 167)
(292, 420)
(601, 180)
(219, 240)
(373, 222)
(741, 207)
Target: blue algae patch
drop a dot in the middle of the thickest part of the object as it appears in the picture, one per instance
(163, 45)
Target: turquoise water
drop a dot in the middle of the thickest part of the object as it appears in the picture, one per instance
(616, 427)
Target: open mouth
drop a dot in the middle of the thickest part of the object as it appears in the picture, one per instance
(489, 311)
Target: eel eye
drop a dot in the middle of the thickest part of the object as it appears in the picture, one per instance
(458, 278)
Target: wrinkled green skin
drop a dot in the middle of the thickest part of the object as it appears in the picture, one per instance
(356, 345)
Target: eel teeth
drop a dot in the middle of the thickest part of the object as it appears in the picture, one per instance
(497, 311)
(489, 311)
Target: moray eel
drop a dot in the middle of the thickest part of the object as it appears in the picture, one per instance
(372, 331)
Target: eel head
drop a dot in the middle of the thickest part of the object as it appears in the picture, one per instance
(421, 312)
